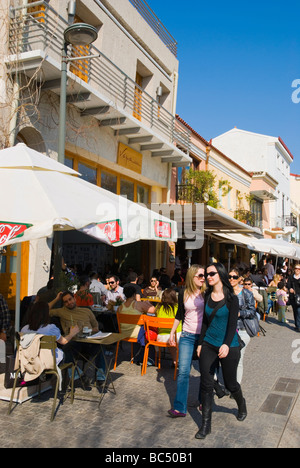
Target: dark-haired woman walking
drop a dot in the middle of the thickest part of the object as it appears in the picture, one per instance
(218, 342)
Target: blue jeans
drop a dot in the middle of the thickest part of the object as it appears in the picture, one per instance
(187, 343)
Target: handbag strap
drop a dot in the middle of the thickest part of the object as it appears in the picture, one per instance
(215, 310)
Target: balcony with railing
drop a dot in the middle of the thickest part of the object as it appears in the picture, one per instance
(284, 223)
(245, 216)
(154, 22)
(97, 86)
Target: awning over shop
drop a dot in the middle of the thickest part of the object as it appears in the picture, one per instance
(276, 247)
(197, 221)
(215, 221)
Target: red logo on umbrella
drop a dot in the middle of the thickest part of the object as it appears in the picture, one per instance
(162, 229)
(9, 231)
(112, 230)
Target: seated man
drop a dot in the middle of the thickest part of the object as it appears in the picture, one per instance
(71, 315)
(115, 290)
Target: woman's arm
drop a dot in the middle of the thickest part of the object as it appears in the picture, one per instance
(63, 340)
(173, 331)
(233, 307)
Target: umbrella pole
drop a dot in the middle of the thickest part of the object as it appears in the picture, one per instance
(18, 288)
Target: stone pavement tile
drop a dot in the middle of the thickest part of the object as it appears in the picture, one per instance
(137, 415)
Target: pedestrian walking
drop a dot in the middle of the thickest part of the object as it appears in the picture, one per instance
(247, 310)
(190, 312)
(218, 342)
(282, 299)
(293, 286)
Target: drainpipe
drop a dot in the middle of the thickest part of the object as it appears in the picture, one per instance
(175, 89)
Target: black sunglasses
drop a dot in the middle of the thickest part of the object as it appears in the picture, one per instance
(111, 282)
(200, 276)
(247, 284)
(212, 273)
(235, 277)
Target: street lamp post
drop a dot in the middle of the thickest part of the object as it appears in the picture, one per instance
(76, 34)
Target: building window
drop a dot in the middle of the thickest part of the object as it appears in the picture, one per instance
(2, 263)
(88, 173)
(142, 194)
(127, 189)
(69, 163)
(109, 181)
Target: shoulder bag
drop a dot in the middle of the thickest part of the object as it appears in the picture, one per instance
(296, 296)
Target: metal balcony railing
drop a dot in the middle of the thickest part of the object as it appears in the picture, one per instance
(154, 22)
(280, 222)
(290, 221)
(245, 216)
(41, 31)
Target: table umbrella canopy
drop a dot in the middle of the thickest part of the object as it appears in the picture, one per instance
(40, 195)
(276, 247)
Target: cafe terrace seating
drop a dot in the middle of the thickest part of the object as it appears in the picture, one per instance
(157, 322)
(46, 343)
(128, 319)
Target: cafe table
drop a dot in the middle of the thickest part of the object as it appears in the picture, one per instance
(100, 339)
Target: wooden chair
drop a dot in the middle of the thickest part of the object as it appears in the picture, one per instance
(132, 320)
(47, 342)
(158, 322)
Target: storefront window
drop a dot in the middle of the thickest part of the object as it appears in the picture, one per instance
(69, 162)
(127, 189)
(142, 194)
(109, 181)
(88, 173)
(2, 264)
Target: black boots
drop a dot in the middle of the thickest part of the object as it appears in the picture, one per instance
(241, 402)
(207, 402)
(220, 391)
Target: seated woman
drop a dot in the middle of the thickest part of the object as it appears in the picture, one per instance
(83, 296)
(39, 322)
(168, 309)
(133, 307)
(153, 290)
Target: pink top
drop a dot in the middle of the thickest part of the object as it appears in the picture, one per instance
(282, 297)
(194, 308)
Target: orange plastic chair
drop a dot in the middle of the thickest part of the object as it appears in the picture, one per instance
(158, 322)
(128, 319)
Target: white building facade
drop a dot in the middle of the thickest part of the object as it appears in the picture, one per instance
(121, 130)
(262, 153)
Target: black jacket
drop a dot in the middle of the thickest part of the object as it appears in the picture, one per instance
(294, 284)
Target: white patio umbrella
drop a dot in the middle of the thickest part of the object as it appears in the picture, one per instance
(39, 196)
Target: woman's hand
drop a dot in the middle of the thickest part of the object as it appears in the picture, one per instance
(199, 350)
(172, 339)
(223, 351)
(74, 331)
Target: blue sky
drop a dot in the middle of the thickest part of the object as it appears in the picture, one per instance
(237, 63)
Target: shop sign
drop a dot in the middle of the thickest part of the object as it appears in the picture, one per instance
(10, 231)
(112, 230)
(129, 158)
(162, 229)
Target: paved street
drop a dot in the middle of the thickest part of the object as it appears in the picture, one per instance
(136, 416)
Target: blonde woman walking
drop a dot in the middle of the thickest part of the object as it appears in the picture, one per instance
(190, 312)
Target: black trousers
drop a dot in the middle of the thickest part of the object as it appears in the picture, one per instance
(209, 362)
